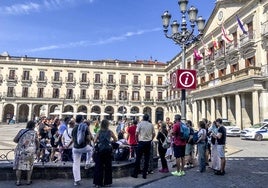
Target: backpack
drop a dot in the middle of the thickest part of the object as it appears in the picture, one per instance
(184, 131)
(104, 144)
(81, 133)
(195, 137)
(166, 144)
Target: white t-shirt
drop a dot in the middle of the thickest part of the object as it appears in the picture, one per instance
(67, 137)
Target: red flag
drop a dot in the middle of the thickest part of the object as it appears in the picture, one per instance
(197, 55)
(215, 43)
(224, 35)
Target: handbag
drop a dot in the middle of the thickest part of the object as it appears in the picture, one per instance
(166, 144)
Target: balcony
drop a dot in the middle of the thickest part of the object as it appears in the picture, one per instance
(264, 29)
(70, 81)
(219, 54)
(149, 101)
(26, 79)
(232, 48)
(136, 83)
(247, 40)
(13, 79)
(160, 101)
(123, 83)
(111, 83)
(84, 82)
(148, 84)
(56, 80)
(41, 80)
(98, 82)
(161, 85)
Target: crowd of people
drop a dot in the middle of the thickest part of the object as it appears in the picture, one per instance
(70, 139)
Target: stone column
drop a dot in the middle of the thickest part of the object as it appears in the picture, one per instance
(1, 111)
(238, 111)
(224, 107)
(203, 110)
(195, 117)
(213, 110)
(255, 107)
(30, 117)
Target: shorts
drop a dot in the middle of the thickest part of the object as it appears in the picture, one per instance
(179, 151)
(221, 151)
(189, 149)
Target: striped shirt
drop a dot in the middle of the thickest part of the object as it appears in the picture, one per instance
(145, 130)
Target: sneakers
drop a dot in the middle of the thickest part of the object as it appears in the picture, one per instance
(164, 170)
(187, 166)
(176, 173)
(76, 183)
(191, 166)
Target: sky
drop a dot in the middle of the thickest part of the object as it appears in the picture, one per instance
(127, 30)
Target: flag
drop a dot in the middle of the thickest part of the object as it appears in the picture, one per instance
(241, 25)
(215, 43)
(197, 55)
(224, 35)
(207, 51)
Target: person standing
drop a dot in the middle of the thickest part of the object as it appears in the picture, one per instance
(221, 140)
(25, 151)
(103, 155)
(145, 133)
(201, 146)
(179, 145)
(161, 137)
(131, 138)
(79, 149)
(189, 150)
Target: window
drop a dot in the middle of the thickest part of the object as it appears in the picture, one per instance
(148, 80)
(41, 76)
(56, 93)
(110, 79)
(69, 94)
(123, 79)
(250, 30)
(70, 77)
(83, 94)
(147, 95)
(188, 65)
(135, 96)
(122, 95)
(235, 39)
(203, 80)
(234, 68)
(160, 96)
(40, 93)
(56, 76)
(250, 62)
(136, 80)
(24, 92)
(26, 75)
(110, 95)
(222, 72)
(96, 94)
(211, 76)
(11, 74)
(97, 78)
(84, 77)
(159, 81)
(10, 92)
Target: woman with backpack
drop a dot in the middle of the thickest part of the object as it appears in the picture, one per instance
(161, 137)
(103, 155)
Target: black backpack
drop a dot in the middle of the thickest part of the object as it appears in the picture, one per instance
(104, 143)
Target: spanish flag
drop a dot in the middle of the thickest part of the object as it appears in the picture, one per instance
(215, 43)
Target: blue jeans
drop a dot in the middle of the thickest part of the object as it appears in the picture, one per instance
(201, 147)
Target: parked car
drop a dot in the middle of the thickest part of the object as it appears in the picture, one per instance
(231, 129)
(257, 132)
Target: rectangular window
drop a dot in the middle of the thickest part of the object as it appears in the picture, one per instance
(235, 39)
(250, 62)
(234, 68)
(83, 94)
(56, 76)
(41, 75)
(26, 75)
(25, 92)
(10, 92)
(56, 93)
(135, 96)
(84, 77)
(97, 78)
(123, 79)
(136, 80)
(110, 79)
(211, 76)
(70, 77)
(96, 94)
(40, 93)
(203, 80)
(160, 95)
(110, 95)
(222, 72)
(148, 80)
(69, 94)
(11, 74)
(159, 81)
(147, 95)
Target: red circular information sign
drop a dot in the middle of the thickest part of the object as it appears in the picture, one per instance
(183, 79)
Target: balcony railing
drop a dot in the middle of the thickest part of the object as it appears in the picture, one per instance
(85, 82)
(98, 82)
(41, 80)
(26, 80)
(56, 80)
(136, 83)
(247, 39)
(12, 78)
(219, 54)
(123, 82)
(232, 48)
(70, 81)
(148, 84)
(111, 83)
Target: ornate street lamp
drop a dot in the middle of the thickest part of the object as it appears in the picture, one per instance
(184, 37)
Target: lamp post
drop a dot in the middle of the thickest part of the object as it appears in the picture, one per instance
(184, 37)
